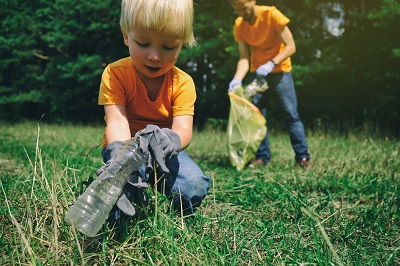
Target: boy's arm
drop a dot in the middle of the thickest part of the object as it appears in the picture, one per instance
(183, 126)
(117, 123)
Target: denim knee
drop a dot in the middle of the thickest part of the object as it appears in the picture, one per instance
(186, 183)
(191, 185)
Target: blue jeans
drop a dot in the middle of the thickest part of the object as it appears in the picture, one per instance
(186, 184)
(282, 87)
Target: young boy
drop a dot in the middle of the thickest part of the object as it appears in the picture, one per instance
(147, 89)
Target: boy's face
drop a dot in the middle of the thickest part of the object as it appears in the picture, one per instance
(153, 53)
(245, 9)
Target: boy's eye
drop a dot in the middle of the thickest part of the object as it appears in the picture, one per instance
(169, 48)
(142, 44)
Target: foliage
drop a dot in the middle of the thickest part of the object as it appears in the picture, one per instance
(52, 54)
(344, 210)
(207, 63)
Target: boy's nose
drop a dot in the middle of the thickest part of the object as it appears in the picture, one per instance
(154, 55)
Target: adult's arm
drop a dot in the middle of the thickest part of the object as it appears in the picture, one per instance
(290, 47)
(244, 60)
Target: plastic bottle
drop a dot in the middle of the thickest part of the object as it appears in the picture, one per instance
(258, 85)
(91, 209)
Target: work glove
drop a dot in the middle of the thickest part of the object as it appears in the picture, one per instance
(160, 145)
(109, 154)
(133, 191)
(236, 82)
(265, 69)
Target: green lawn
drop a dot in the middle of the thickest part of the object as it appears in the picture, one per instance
(344, 210)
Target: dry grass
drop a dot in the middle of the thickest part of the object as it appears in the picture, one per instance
(344, 210)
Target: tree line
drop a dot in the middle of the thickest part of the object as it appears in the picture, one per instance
(346, 68)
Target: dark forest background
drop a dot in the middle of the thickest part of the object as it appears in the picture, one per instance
(346, 69)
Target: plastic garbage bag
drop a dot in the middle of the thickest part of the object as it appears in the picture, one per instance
(246, 129)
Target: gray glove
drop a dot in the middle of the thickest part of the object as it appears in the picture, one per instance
(160, 144)
(133, 192)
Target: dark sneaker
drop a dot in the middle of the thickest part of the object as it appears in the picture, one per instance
(304, 163)
(256, 162)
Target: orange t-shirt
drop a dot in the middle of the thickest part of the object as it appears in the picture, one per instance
(263, 38)
(121, 85)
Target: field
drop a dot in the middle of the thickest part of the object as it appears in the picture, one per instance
(344, 210)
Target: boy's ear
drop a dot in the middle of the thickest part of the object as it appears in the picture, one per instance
(125, 38)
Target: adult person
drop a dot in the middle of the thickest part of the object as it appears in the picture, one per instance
(265, 44)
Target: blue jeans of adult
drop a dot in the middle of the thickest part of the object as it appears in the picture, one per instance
(186, 184)
(281, 85)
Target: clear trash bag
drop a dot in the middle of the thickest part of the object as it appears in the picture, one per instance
(246, 129)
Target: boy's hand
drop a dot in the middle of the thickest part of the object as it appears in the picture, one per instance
(133, 195)
(170, 143)
(162, 144)
(110, 152)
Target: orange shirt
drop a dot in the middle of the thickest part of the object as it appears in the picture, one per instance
(121, 85)
(263, 38)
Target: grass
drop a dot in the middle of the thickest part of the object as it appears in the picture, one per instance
(344, 210)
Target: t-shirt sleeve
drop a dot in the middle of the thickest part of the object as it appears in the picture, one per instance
(111, 87)
(279, 21)
(184, 98)
(236, 30)
(236, 34)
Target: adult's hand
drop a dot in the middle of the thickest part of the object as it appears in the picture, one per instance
(265, 69)
(234, 83)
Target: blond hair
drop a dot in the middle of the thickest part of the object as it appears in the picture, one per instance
(174, 17)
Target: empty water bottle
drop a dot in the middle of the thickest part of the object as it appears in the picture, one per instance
(91, 209)
(258, 85)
